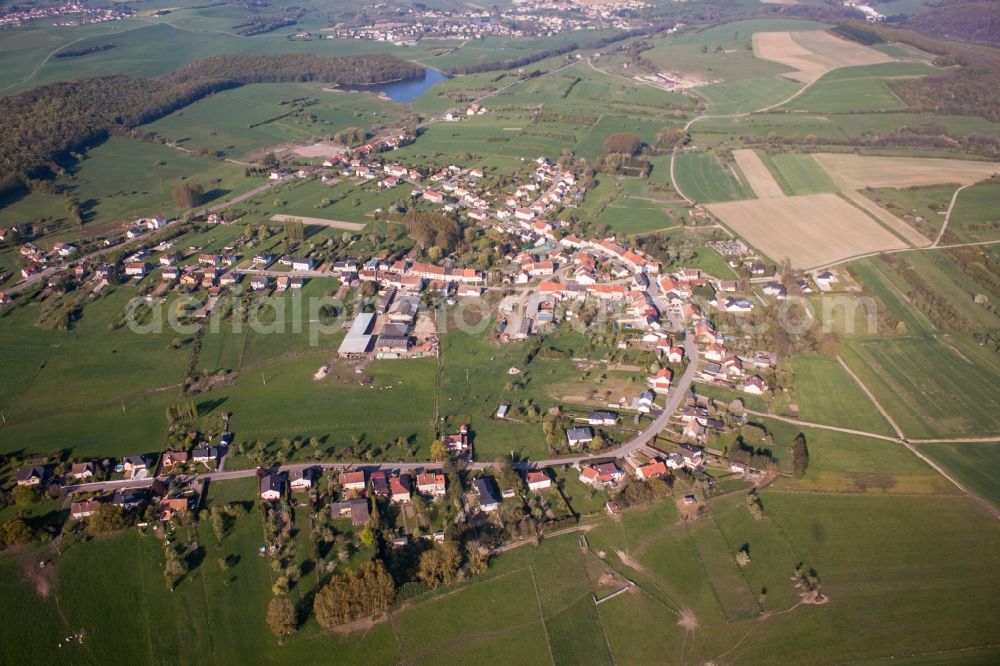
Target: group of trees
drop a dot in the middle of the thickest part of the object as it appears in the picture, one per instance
(623, 143)
(350, 136)
(432, 230)
(188, 194)
(354, 594)
(297, 67)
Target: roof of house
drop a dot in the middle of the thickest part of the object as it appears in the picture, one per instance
(400, 485)
(352, 477)
(272, 482)
(579, 434)
(484, 486)
(537, 476)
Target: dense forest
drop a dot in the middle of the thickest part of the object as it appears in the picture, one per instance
(977, 21)
(41, 128)
(345, 70)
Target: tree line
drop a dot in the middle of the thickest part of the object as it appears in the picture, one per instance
(342, 70)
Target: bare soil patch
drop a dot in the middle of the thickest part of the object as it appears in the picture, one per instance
(320, 149)
(320, 222)
(687, 620)
(757, 174)
(810, 230)
(629, 562)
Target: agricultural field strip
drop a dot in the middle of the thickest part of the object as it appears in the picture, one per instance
(856, 172)
(320, 222)
(757, 174)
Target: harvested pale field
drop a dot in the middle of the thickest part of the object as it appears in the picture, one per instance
(319, 222)
(757, 174)
(855, 172)
(812, 53)
(914, 237)
(811, 230)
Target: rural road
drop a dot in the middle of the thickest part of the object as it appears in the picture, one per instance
(947, 215)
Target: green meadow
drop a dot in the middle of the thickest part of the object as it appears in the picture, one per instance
(932, 387)
(826, 394)
(858, 89)
(973, 463)
(704, 179)
(799, 174)
(235, 121)
(121, 181)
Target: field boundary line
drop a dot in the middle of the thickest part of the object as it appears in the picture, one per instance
(821, 426)
(541, 613)
(988, 646)
(871, 396)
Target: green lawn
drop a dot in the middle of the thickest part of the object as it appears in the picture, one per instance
(634, 216)
(703, 178)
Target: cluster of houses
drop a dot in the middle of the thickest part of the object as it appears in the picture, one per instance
(643, 466)
(167, 501)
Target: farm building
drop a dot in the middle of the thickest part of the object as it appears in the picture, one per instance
(358, 339)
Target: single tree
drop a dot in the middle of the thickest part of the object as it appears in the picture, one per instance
(107, 518)
(281, 616)
(188, 194)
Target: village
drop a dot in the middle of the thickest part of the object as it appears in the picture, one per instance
(526, 18)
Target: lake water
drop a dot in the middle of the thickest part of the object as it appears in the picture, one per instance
(404, 91)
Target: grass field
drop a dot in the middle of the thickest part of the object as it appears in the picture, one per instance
(939, 387)
(974, 217)
(858, 89)
(634, 216)
(121, 180)
(921, 207)
(703, 178)
(973, 463)
(746, 95)
(799, 174)
(827, 394)
(224, 121)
